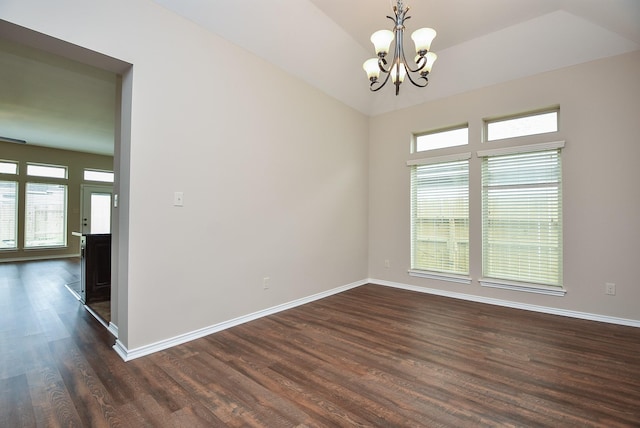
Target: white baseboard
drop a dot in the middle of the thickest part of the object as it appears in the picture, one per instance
(35, 258)
(130, 354)
(113, 329)
(509, 304)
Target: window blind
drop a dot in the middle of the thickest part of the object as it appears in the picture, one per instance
(8, 214)
(522, 217)
(440, 217)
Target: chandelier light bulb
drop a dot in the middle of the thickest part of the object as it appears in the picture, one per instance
(372, 68)
(431, 58)
(394, 72)
(423, 37)
(381, 40)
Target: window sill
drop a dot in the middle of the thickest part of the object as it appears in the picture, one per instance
(528, 288)
(440, 276)
(46, 248)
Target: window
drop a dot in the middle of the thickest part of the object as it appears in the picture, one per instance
(522, 125)
(8, 167)
(440, 215)
(95, 175)
(50, 171)
(440, 139)
(46, 215)
(522, 214)
(8, 214)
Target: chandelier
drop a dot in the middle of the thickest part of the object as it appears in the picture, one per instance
(399, 68)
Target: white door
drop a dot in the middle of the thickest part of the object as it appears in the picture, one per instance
(96, 209)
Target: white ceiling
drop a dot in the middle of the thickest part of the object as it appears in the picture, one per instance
(325, 42)
(47, 100)
(479, 42)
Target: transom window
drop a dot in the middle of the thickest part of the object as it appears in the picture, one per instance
(442, 138)
(97, 175)
(540, 122)
(8, 167)
(49, 171)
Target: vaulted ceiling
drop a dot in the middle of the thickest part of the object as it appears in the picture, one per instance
(52, 102)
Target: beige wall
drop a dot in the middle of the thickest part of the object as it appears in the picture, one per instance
(274, 173)
(76, 163)
(599, 108)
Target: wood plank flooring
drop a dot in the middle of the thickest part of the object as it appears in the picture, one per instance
(372, 356)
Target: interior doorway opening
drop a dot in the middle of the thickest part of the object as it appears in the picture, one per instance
(119, 215)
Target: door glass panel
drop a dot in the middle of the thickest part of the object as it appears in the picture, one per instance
(100, 213)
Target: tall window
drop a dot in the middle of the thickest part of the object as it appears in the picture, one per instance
(8, 214)
(46, 215)
(440, 216)
(522, 214)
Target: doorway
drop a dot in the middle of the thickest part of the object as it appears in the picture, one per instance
(119, 218)
(95, 212)
(95, 221)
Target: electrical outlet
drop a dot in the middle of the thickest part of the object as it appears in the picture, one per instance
(178, 199)
(387, 263)
(610, 289)
(265, 283)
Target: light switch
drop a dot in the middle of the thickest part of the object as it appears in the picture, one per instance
(178, 199)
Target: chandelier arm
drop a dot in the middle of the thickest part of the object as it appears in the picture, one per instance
(419, 84)
(381, 85)
(381, 63)
(420, 65)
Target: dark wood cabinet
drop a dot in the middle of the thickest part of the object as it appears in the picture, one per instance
(96, 268)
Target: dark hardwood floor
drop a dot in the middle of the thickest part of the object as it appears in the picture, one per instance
(372, 356)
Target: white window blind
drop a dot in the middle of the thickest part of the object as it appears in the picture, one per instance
(440, 217)
(8, 214)
(522, 217)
